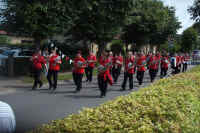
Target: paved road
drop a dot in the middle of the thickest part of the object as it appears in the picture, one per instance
(33, 108)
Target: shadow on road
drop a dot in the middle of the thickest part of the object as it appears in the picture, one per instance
(83, 96)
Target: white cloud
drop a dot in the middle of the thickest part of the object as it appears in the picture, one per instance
(181, 12)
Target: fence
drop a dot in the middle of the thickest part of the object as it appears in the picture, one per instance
(15, 66)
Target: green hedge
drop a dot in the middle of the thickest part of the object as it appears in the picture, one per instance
(169, 105)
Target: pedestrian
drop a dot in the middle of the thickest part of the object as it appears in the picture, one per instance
(117, 66)
(178, 63)
(79, 70)
(110, 58)
(141, 63)
(164, 65)
(38, 60)
(173, 61)
(104, 77)
(129, 71)
(185, 60)
(46, 56)
(153, 67)
(158, 58)
(91, 60)
(54, 67)
(7, 118)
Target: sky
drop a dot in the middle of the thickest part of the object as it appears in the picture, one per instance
(181, 12)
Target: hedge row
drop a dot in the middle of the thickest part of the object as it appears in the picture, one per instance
(170, 105)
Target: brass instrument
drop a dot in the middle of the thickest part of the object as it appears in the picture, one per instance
(102, 69)
(130, 65)
(166, 61)
(81, 64)
(57, 60)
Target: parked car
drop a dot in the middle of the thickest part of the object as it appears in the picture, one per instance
(2, 49)
(17, 53)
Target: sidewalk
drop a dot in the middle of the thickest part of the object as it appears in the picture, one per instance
(11, 85)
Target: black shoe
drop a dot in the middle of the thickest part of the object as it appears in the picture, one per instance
(34, 88)
(122, 89)
(50, 87)
(130, 88)
(77, 90)
(102, 96)
(41, 85)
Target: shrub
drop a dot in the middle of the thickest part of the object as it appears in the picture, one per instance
(170, 105)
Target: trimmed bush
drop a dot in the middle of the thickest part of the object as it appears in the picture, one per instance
(170, 105)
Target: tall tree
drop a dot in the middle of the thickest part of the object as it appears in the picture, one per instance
(151, 22)
(99, 20)
(189, 40)
(194, 10)
(36, 18)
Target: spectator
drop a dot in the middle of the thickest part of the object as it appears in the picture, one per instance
(7, 118)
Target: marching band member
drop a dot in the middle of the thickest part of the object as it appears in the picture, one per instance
(158, 57)
(54, 67)
(141, 62)
(46, 57)
(91, 60)
(104, 76)
(129, 71)
(164, 65)
(110, 58)
(38, 60)
(117, 65)
(173, 62)
(178, 64)
(185, 59)
(78, 70)
(153, 67)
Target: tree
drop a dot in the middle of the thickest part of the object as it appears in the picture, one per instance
(194, 10)
(99, 21)
(39, 19)
(189, 39)
(150, 22)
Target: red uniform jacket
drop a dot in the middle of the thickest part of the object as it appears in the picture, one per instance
(127, 61)
(67, 58)
(79, 70)
(152, 62)
(53, 65)
(91, 58)
(106, 75)
(140, 61)
(187, 58)
(38, 60)
(118, 58)
(165, 62)
(158, 58)
(178, 60)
